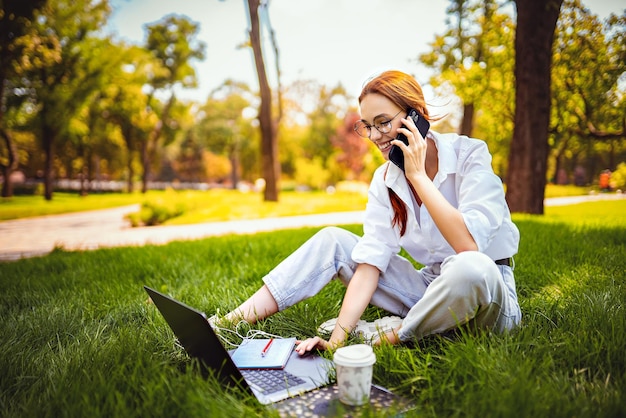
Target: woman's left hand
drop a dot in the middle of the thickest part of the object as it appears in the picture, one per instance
(309, 344)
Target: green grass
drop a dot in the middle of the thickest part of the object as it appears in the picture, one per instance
(557, 190)
(28, 206)
(197, 206)
(79, 339)
(208, 206)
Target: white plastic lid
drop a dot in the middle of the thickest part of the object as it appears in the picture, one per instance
(358, 355)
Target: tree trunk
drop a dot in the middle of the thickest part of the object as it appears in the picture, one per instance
(557, 168)
(89, 167)
(96, 163)
(7, 186)
(47, 138)
(131, 175)
(145, 162)
(12, 163)
(150, 145)
(84, 181)
(12, 157)
(83, 170)
(467, 124)
(234, 171)
(127, 133)
(526, 178)
(269, 143)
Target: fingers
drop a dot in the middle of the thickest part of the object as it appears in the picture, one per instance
(409, 129)
(390, 337)
(309, 344)
(409, 125)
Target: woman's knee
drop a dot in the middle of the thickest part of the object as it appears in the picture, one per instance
(470, 269)
(331, 236)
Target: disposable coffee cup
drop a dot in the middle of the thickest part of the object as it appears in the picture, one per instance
(354, 365)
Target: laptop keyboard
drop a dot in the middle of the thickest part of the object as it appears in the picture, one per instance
(270, 381)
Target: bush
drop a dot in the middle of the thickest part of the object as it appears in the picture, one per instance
(153, 213)
(618, 177)
(311, 173)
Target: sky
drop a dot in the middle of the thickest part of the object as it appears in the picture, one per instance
(329, 41)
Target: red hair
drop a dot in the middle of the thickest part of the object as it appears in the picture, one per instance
(402, 89)
(405, 92)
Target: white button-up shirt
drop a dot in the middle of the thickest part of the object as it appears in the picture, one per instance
(467, 181)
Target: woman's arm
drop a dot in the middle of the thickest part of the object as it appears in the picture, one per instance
(448, 219)
(358, 296)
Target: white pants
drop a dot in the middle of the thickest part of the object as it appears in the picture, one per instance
(435, 299)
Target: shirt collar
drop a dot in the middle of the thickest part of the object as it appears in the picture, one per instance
(445, 154)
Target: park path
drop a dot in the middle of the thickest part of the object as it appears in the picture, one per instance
(37, 236)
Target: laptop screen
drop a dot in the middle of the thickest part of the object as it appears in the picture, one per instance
(198, 338)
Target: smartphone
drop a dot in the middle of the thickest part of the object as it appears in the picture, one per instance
(395, 155)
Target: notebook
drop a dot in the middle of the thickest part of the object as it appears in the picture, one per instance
(300, 374)
(263, 353)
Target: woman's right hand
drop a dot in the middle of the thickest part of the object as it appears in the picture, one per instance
(313, 343)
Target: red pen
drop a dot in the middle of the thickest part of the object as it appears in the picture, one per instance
(267, 347)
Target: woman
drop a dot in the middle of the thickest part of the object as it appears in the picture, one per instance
(447, 210)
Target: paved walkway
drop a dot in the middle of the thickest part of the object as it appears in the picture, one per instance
(31, 237)
(90, 230)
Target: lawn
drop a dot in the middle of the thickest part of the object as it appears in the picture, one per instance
(211, 205)
(28, 206)
(192, 206)
(80, 339)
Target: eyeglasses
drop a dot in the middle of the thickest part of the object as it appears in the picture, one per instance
(365, 130)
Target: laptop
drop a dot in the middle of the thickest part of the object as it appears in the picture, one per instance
(301, 373)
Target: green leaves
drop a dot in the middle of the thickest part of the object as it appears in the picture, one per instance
(172, 41)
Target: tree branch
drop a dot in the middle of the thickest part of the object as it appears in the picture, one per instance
(586, 125)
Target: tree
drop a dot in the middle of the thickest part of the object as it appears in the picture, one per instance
(268, 124)
(60, 89)
(317, 137)
(588, 104)
(16, 36)
(222, 126)
(352, 149)
(324, 119)
(587, 110)
(189, 164)
(474, 61)
(125, 103)
(89, 130)
(526, 178)
(172, 42)
(463, 51)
